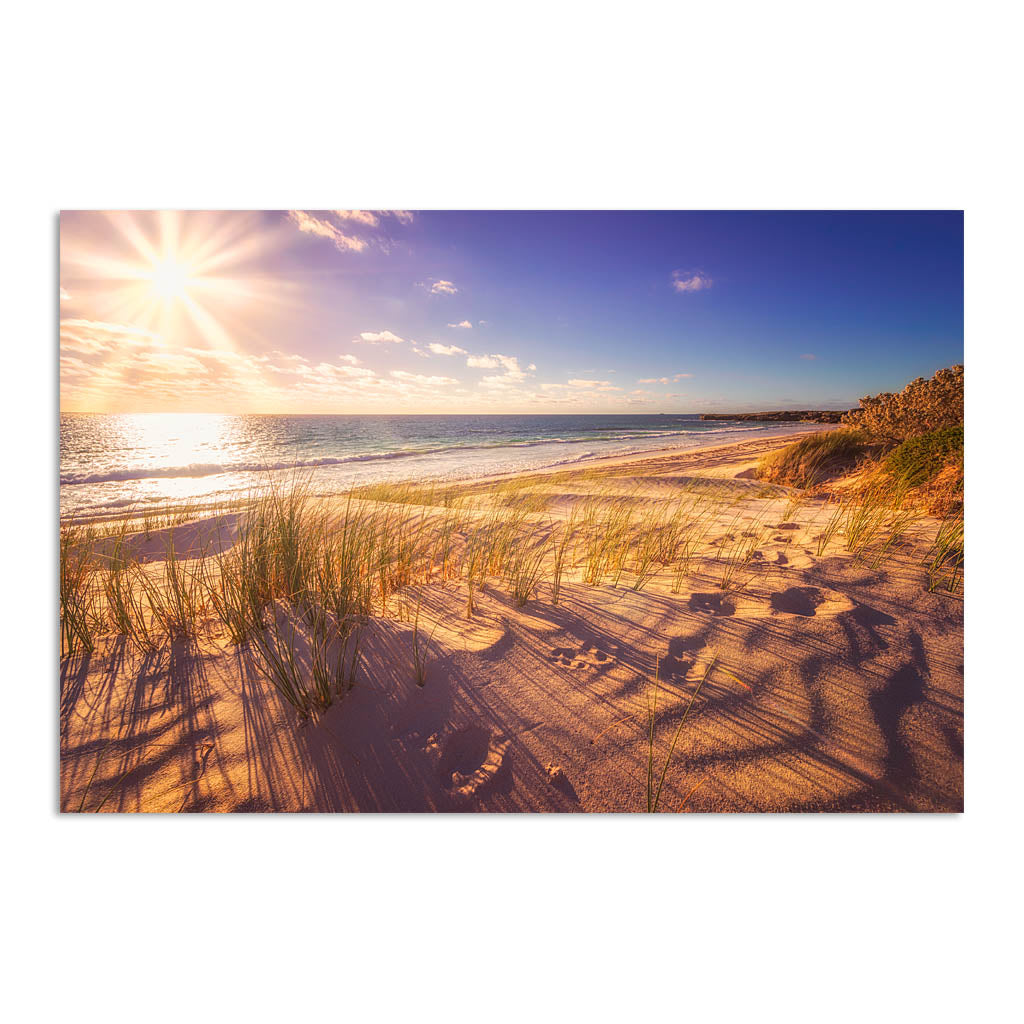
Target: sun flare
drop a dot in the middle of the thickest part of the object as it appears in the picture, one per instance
(170, 279)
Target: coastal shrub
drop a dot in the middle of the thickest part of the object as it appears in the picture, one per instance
(815, 458)
(920, 459)
(924, 405)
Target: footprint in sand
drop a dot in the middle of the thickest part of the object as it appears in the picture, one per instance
(587, 656)
(712, 604)
(471, 759)
(809, 601)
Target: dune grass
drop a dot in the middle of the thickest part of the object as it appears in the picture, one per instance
(654, 789)
(944, 561)
(562, 537)
(79, 615)
(808, 462)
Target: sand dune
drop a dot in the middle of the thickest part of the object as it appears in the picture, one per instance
(833, 686)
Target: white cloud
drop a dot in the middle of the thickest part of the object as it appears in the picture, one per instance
(64, 297)
(443, 288)
(367, 217)
(402, 216)
(314, 226)
(374, 337)
(513, 371)
(462, 323)
(422, 380)
(350, 359)
(446, 350)
(592, 385)
(690, 280)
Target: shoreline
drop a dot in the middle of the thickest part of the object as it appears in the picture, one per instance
(669, 458)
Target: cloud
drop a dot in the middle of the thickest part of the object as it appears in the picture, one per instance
(350, 359)
(421, 380)
(314, 226)
(664, 380)
(446, 350)
(367, 217)
(375, 337)
(808, 355)
(443, 288)
(482, 323)
(591, 385)
(513, 371)
(64, 296)
(91, 337)
(402, 216)
(690, 280)
(461, 323)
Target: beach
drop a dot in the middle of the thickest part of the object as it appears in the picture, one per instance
(765, 667)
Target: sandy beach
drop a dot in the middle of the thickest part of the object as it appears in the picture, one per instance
(786, 680)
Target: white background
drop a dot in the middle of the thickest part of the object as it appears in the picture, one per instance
(474, 105)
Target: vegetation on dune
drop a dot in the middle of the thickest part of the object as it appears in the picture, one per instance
(924, 405)
(813, 459)
(921, 458)
(915, 437)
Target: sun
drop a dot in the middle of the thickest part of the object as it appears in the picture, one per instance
(169, 279)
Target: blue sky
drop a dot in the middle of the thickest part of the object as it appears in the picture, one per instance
(359, 311)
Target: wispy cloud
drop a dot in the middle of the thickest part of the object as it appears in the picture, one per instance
(376, 337)
(461, 323)
(422, 380)
(690, 280)
(402, 216)
(443, 288)
(665, 380)
(349, 358)
(367, 217)
(808, 355)
(324, 229)
(591, 385)
(91, 337)
(64, 296)
(446, 350)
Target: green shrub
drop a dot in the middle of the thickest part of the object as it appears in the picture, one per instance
(921, 407)
(920, 459)
(815, 458)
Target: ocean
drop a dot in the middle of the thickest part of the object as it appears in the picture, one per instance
(109, 462)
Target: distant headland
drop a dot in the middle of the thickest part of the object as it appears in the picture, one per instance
(787, 416)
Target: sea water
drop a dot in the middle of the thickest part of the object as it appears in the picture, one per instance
(108, 462)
